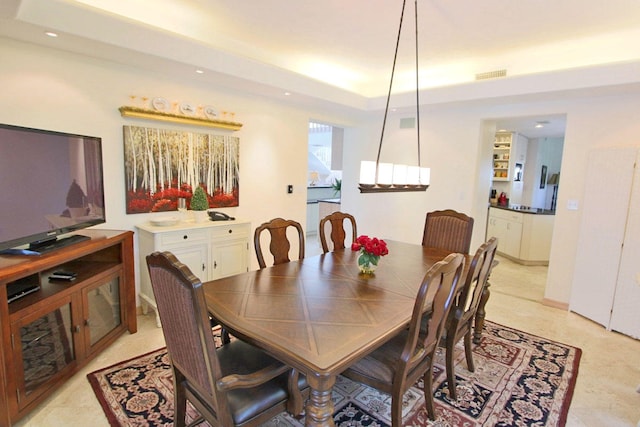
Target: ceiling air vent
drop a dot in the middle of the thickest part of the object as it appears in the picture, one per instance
(491, 75)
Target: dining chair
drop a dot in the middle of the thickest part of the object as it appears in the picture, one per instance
(448, 229)
(338, 234)
(279, 245)
(461, 317)
(236, 384)
(396, 365)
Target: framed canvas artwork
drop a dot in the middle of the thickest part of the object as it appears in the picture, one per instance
(163, 165)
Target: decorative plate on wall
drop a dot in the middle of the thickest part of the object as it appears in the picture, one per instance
(210, 112)
(160, 104)
(187, 109)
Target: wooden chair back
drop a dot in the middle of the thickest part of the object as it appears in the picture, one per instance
(448, 229)
(207, 377)
(395, 366)
(279, 245)
(462, 315)
(476, 280)
(338, 235)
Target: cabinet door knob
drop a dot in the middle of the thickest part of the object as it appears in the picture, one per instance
(76, 329)
(185, 237)
(230, 231)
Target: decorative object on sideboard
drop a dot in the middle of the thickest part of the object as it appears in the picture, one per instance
(200, 204)
(376, 177)
(182, 208)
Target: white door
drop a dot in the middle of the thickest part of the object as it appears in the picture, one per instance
(625, 316)
(604, 215)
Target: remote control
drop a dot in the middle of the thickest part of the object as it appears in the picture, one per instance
(62, 273)
(65, 278)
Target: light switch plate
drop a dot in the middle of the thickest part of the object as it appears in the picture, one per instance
(572, 205)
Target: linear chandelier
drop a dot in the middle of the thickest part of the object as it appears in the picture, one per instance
(376, 177)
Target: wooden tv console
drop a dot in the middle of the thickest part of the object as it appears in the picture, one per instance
(50, 334)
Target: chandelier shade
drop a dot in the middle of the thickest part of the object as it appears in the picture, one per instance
(377, 177)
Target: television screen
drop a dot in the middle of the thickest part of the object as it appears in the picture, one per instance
(51, 183)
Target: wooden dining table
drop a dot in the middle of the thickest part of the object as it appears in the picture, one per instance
(319, 314)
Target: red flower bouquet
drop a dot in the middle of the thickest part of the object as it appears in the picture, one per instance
(371, 249)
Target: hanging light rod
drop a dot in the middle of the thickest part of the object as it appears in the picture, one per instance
(376, 177)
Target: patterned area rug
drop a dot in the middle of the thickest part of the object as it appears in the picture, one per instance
(520, 380)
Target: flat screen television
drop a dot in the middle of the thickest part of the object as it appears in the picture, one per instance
(51, 183)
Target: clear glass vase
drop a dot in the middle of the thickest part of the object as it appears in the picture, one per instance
(367, 264)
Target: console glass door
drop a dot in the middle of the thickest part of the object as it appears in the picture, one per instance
(46, 350)
(105, 313)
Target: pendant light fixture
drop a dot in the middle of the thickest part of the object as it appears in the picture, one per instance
(376, 177)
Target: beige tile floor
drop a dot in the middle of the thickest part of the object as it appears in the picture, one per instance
(605, 393)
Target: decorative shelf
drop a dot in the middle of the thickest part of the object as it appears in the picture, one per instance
(143, 113)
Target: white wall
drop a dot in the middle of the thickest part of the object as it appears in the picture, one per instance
(456, 145)
(460, 162)
(54, 90)
(49, 89)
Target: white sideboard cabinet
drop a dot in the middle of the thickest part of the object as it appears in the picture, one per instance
(211, 250)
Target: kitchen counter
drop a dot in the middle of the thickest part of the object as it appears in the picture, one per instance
(524, 209)
(524, 236)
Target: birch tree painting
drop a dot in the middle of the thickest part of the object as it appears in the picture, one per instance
(163, 165)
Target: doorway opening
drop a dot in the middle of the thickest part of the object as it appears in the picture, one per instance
(324, 172)
(526, 158)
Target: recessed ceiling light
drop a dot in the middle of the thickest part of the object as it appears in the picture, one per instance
(539, 125)
(287, 94)
(199, 71)
(51, 34)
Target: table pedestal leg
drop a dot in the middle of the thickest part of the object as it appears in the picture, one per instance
(319, 411)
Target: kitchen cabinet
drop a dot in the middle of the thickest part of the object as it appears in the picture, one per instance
(524, 237)
(315, 195)
(502, 156)
(50, 334)
(509, 155)
(507, 227)
(327, 207)
(211, 250)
